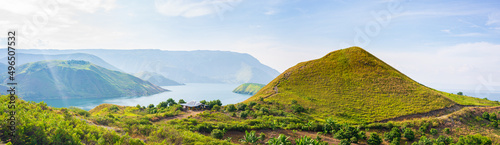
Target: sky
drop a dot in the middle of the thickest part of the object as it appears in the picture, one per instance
(444, 44)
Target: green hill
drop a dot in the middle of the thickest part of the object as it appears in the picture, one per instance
(157, 79)
(248, 88)
(354, 86)
(77, 79)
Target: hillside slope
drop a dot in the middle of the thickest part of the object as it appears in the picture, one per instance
(248, 88)
(77, 79)
(354, 86)
(156, 79)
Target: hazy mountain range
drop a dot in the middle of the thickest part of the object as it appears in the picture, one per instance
(180, 66)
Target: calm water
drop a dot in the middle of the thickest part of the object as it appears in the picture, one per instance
(188, 92)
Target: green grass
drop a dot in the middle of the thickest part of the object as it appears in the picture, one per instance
(354, 86)
(248, 88)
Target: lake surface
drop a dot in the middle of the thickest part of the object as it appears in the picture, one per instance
(188, 92)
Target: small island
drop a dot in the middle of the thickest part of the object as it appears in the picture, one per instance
(248, 88)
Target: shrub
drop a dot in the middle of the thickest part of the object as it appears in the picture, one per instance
(494, 124)
(151, 106)
(243, 114)
(230, 108)
(162, 104)
(424, 141)
(493, 117)
(242, 106)
(262, 136)
(434, 131)
(374, 139)
(171, 102)
(251, 104)
(216, 108)
(114, 108)
(344, 142)
(395, 141)
(394, 133)
(447, 130)
(296, 108)
(443, 140)
(181, 101)
(474, 139)
(218, 134)
(305, 140)
(409, 134)
(264, 110)
(486, 115)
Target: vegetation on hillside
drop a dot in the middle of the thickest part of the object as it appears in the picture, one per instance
(77, 79)
(354, 86)
(248, 88)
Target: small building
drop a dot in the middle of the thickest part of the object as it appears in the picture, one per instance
(194, 105)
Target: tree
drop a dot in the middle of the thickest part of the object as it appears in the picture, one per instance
(138, 106)
(460, 93)
(374, 139)
(296, 108)
(424, 141)
(162, 104)
(181, 101)
(409, 134)
(151, 106)
(171, 102)
(230, 108)
(243, 114)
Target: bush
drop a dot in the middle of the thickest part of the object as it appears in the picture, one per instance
(181, 101)
(395, 141)
(374, 139)
(218, 134)
(409, 134)
(296, 108)
(486, 115)
(230, 108)
(114, 108)
(443, 140)
(151, 106)
(305, 140)
(171, 102)
(447, 130)
(216, 108)
(493, 117)
(394, 133)
(242, 106)
(344, 142)
(424, 141)
(474, 139)
(434, 131)
(243, 114)
(494, 124)
(162, 104)
(251, 104)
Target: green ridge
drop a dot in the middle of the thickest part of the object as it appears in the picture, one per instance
(77, 79)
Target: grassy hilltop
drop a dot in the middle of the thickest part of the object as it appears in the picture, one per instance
(354, 86)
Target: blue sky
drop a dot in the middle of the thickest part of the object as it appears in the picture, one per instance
(450, 45)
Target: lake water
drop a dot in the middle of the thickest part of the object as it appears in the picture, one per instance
(188, 92)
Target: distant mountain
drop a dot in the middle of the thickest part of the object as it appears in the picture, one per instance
(77, 79)
(183, 66)
(351, 85)
(24, 58)
(248, 88)
(156, 79)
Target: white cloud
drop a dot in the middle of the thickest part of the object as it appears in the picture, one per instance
(446, 30)
(493, 18)
(194, 8)
(469, 35)
(270, 12)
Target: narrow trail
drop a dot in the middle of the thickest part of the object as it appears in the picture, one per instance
(440, 113)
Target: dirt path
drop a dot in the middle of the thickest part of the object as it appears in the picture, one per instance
(181, 116)
(435, 113)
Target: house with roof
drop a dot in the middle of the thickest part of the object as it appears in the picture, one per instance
(194, 105)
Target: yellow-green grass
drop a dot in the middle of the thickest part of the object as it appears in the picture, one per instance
(354, 86)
